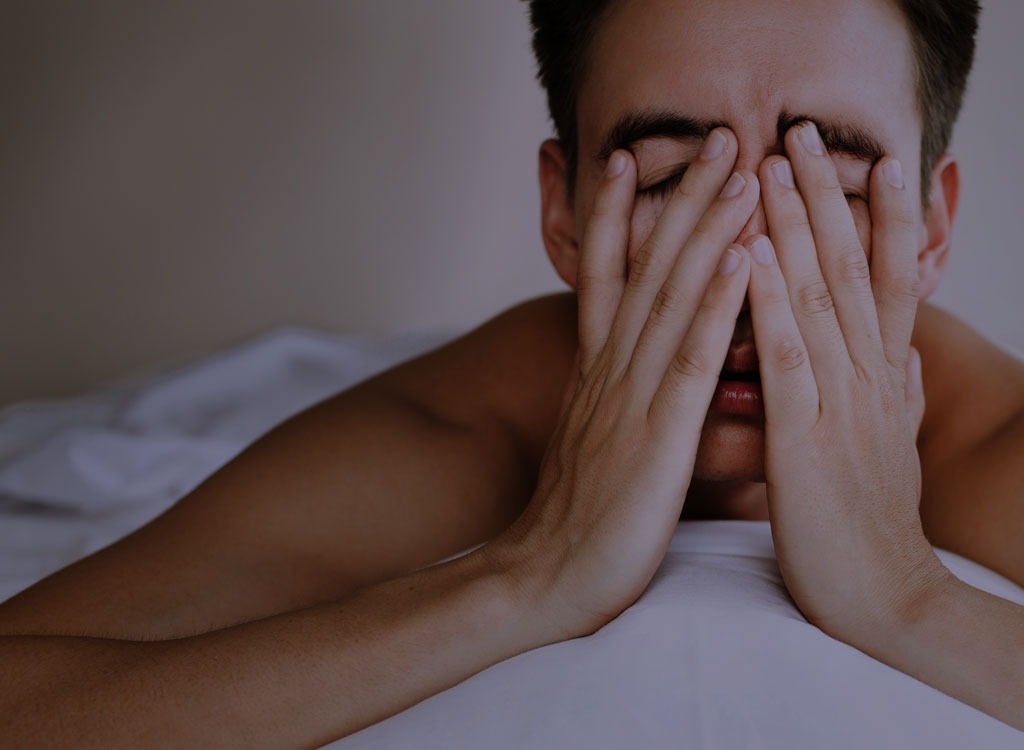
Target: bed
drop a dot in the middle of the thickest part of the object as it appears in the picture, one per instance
(714, 655)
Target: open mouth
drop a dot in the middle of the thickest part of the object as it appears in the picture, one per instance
(752, 376)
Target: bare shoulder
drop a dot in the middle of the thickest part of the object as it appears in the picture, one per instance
(508, 374)
(973, 388)
(414, 465)
(971, 442)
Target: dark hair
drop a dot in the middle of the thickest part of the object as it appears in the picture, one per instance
(942, 34)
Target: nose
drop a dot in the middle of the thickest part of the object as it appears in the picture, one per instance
(754, 147)
(756, 224)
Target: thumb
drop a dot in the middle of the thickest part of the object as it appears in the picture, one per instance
(914, 391)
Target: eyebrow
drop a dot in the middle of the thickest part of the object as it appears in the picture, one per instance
(635, 127)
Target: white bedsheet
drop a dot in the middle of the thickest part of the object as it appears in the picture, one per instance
(76, 475)
(713, 656)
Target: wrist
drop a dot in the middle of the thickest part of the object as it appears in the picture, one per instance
(909, 596)
(531, 578)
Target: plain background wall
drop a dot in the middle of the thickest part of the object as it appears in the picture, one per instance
(178, 176)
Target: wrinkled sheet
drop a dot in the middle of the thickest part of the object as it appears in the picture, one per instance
(714, 655)
(76, 475)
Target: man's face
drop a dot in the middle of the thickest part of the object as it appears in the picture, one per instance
(755, 66)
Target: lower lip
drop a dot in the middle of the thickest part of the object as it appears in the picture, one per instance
(737, 397)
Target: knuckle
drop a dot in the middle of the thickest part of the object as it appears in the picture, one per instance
(815, 299)
(825, 181)
(903, 216)
(710, 308)
(587, 280)
(853, 266)
(791, 211)
(798, 219)
(668, 303)
(603, 207)
(608, 206)
(789, 355)
(904, 289)
(899, 210)
(646, 266)
(776, 298)
(690, 363)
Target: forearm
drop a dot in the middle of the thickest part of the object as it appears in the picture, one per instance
(293, 680)
(963, 641)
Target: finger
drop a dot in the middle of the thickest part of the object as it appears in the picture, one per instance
(914, 391)
(677, 301)
(840, 254)
(809, 296)
(704, 180)
(602, 270)
(681, 403)
(791, 398)
(569, 392)
(894, 248)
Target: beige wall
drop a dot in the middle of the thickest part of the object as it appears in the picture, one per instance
(984, 281)
(177, 176)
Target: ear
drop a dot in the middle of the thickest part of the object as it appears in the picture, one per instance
(943, 199)
(558, 221)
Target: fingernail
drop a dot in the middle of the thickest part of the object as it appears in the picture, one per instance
(783, 174)
(810, 139)
(762, 251)
(734, 186)
(714, 145)
(730, 262)
(892, 172)
(616, 165)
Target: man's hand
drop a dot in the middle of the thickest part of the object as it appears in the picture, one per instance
(842, 392)
(651, 348)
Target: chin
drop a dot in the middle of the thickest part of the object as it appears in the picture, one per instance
(731, 449)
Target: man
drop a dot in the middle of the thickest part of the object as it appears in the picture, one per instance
(745, 347)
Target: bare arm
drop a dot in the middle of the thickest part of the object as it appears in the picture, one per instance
(607, 499)
(963, 641)
(413, 466)
(276, 605)
(298, 679)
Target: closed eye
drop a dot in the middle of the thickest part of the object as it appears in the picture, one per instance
(662, 188)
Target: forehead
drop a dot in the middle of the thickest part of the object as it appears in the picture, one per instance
(744, 62)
